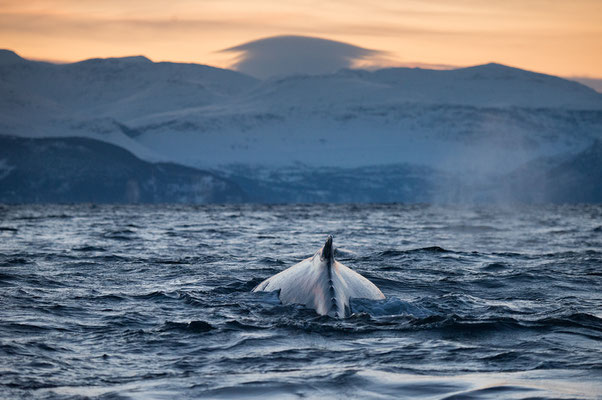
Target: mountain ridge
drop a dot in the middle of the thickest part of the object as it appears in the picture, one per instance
(11, 55)
(66, 170)
(477, 121)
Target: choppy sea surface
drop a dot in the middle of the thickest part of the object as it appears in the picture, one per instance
(154, 302)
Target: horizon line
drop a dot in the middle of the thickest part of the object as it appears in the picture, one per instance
(409, 65)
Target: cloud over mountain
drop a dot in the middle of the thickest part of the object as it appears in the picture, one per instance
(290, 55)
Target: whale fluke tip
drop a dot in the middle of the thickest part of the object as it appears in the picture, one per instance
(327, 251)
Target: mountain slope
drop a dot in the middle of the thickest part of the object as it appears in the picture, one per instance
(304, 138)
(66, 170)
(209, 117)
(64, 96)
(443, 119)
(489, 85)
(569, 179)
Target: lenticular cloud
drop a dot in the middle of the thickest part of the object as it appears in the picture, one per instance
(290, 55)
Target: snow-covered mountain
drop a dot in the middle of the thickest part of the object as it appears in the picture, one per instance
(448, 119)
(96, 98)
(473, 123)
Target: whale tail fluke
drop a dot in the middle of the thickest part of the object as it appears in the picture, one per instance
(321, 283)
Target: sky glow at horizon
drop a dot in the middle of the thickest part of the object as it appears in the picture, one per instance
(550, 36)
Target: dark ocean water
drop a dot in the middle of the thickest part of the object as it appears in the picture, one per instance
(154, 302)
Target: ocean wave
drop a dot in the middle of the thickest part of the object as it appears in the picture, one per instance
(169, 311)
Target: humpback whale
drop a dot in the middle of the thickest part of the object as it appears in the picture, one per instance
(322, 283)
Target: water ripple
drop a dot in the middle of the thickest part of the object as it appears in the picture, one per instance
(155, 302)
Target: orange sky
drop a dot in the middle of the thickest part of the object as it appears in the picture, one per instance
(560, 37)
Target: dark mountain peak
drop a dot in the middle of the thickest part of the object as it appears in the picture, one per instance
(77, 169)
(130, 60)
(492, 69)
(10, 57)
(498, 66)
(495, 71)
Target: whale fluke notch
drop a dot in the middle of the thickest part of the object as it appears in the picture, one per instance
(322, 283)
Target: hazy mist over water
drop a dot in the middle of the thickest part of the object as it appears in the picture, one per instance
(154, 302)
